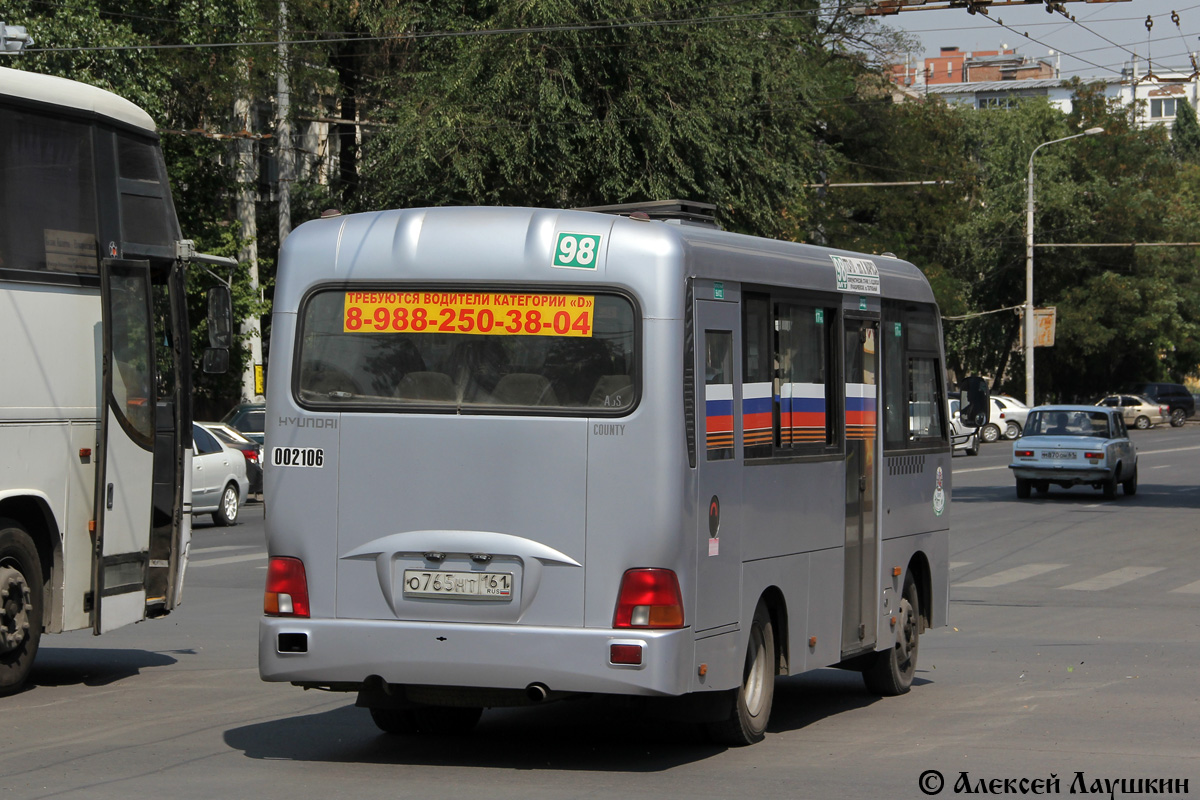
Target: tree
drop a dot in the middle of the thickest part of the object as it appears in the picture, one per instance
(1185, 133)
(594, 113)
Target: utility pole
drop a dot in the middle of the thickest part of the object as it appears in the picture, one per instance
(283, 130)
(247, 180)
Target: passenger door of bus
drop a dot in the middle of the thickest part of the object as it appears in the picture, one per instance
(861, 546)
(718, 370)
(125, 457)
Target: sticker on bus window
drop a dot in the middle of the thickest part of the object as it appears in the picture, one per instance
(495, 314)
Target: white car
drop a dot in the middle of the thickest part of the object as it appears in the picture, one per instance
(219, 484)
(1073, 445)
(963, 438)
(1008, 417)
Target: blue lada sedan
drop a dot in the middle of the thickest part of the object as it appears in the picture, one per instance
(1072, 445)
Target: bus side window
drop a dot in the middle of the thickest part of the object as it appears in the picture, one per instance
(718, 394)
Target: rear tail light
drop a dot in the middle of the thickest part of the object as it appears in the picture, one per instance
(1093, 455)
(649, 598)
(1023, 453)
(251, 455)
(287, 588)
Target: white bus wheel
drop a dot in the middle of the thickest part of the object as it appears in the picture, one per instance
(20, 605)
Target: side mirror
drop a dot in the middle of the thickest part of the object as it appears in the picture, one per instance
(216, 360)
(220, 317)
(976, 410)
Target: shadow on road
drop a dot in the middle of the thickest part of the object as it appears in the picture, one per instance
(66, 666)
(590, 734)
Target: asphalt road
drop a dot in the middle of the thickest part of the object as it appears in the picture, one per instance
(1073, 647)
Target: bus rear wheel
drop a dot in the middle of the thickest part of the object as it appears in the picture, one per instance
(436, 721)
(20, 605)
(891, 671)
(750, 703)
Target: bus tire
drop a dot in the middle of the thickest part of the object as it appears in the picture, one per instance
(227, 512)
(891, 672)
(20, 605)
(429, 720)
(749, 705)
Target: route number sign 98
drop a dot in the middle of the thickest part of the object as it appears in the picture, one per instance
(576, 251)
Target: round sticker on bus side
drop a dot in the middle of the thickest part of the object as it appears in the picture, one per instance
(939, 495)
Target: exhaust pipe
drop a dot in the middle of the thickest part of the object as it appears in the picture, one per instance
(537, 692)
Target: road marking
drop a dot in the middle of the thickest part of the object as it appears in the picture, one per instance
(1191, 588)
(213, 562)
(222, 547)
(957, 564)
(1167, 450)
(1115, 578)
(978, 469)
(1010, 576)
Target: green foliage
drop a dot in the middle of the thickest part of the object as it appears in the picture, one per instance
(1124, 313)
(1185, 133)
(723, 112)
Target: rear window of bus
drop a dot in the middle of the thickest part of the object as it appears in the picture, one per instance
(477, 351)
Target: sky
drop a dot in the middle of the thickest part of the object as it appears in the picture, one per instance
(1098, 44)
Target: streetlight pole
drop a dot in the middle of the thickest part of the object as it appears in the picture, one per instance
(1029, 327)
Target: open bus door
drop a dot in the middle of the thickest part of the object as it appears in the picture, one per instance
(125, 462)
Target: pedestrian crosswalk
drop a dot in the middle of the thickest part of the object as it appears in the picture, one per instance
(199, 556)
(1095, 583)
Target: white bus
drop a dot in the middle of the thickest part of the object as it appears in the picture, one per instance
(520, 454)
(95, 361)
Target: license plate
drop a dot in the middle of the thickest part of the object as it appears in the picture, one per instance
(1058, 454)
(460, 585)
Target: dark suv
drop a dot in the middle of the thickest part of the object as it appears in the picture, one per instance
(1173, 395)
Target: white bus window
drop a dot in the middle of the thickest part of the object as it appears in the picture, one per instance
(49, 195)
(468, 351)
(131, 351)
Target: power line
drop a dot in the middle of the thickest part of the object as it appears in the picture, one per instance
(580, 28)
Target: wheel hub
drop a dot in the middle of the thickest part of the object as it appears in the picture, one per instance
(15, 605)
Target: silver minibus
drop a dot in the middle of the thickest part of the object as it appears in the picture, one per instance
(520, 454)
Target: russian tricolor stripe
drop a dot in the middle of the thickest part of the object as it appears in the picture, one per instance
(860, 411)
(718, 415)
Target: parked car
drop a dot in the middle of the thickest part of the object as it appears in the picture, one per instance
(1007, 420)
(1073, 445)
(219, 484)
(963, 438)
(1140, 412)
(248, 419)
(1173, 395)
(251, 450)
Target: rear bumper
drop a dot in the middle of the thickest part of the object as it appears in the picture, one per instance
(1063, 476)
(484, 656)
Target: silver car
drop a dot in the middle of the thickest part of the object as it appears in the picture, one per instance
(964, 438)
(1140, 412)
(1073, 445)
(219, 484)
